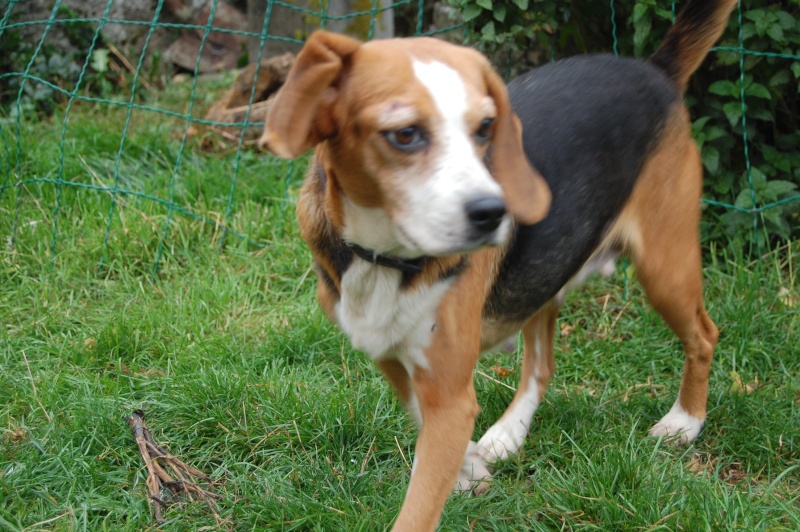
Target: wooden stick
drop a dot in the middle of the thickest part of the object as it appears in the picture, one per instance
(158, 478)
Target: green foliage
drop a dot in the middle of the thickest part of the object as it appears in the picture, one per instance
(510, 24)
(45, 76)
(744, 107)
(758, 98)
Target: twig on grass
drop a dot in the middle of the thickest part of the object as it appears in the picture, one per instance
(489, 377)
(40, 524)
(366, 457)
(159, 479)
(128, 65)
(408, 465)
(35, 391)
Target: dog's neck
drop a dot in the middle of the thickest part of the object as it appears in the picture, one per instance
(406, 266)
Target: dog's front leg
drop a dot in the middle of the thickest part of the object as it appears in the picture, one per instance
(442, 391)
(448, 411)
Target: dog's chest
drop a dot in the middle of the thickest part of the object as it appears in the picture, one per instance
(384, 319)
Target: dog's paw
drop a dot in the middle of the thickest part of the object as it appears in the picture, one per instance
(501, 441)
(474, 476)
(678, 424)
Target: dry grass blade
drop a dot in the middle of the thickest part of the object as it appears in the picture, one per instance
(178, 480)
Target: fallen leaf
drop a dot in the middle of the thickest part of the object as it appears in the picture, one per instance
(787, 297)
(699, 465)
(500, 371)
(739, 386)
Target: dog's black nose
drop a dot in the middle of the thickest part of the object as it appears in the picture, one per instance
(485, 213)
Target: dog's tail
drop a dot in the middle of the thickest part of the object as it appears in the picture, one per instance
(695, 31)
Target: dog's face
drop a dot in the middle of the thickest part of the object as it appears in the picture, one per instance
(408, 126)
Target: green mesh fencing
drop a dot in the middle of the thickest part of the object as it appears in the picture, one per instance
(40, 181)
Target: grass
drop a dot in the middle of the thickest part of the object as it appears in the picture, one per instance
(241, 376)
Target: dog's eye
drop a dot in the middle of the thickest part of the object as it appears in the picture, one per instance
(407, 139)
(484, 132)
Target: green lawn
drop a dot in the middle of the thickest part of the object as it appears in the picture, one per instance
(242, 377)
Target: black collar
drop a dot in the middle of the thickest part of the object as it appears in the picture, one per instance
(407, 266)
(404, 265)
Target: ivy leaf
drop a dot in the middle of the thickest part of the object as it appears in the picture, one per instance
(485, 4)
(762, 25)
(500, 12)
(774, 215)
(748, 30)
(759, 178)
(487, 32)
(744, 200)
(714, 133)
(711, 159)
(754, 14)
(780, 78)
(775, 32)
(780, 160)
(786, 20)
(472, 11)
(639, 11)
(733, 112)
(522, 4)
(761, 114)
(778, 187)
(758, 91)
(724, 87)
(699, 124)
(641, 31)
(666, 14)
(721, 184)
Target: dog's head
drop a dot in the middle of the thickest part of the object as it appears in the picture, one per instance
(419, 139)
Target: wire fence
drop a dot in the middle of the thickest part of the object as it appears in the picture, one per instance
(45, 183)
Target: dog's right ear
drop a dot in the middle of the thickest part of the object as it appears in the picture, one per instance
(299, 118)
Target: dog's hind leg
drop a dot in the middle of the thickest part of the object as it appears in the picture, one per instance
(675, 290)
(507, 435)
(667, 256)
(672, 279)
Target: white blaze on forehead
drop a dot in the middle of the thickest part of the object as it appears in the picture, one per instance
(449, 94)
(447, 90)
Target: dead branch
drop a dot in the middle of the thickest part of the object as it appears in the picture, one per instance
(166, 472)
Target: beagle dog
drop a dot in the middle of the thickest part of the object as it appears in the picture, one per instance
(446, 212)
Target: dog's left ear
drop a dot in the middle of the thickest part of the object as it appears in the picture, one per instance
(526, 193)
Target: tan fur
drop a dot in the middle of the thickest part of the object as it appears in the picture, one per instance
(666, 208)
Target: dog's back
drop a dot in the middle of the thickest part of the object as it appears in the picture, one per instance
(589, 125)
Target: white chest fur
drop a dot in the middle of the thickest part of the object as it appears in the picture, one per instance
(384, 320)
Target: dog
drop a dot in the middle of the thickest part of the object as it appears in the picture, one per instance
(446, 212)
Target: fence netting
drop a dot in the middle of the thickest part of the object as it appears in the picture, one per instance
(108, 59)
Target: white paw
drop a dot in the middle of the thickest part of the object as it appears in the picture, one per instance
(474, 476)
(501, 441)
(678, 424)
